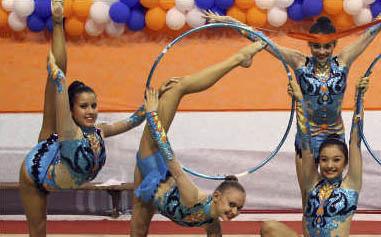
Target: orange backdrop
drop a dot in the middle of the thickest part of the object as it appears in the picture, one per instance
(117, 70)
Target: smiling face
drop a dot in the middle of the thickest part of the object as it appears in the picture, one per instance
(85, 109)
(332, 162)
(322, 52)
(229, 203)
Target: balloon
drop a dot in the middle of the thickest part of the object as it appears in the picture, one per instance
(3, 18)
(149, 3)
(49, 24)
(137, 21)
(68, 8)
(23, 8)
(352, 7)
(81, 8)
(223, 4)
(312, 7)
(343, 21)
(35, 23)
(295, 11)
(175, 19)
(219, 11)
(333, 7)
(184, 5)
(244, 4)
(99, 12)
(166, 4)
(16, 23)
(155, 18)
(204, 4)
(364, 17)
(283, 3)
(74, 27)
(376, 8)
(130, 3)
(119, 12)
(368, 2)
(265, 4)
(237, 13)
(277, 16)
(194, 18)
(256, 17)
(115, 29)
(43, 8)
(92, 28)
(7, 5)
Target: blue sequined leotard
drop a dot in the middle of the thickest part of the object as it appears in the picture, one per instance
(169, 205)
(328, 204)
(323, 100)
(83, 158)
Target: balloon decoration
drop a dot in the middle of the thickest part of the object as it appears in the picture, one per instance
(113, 18)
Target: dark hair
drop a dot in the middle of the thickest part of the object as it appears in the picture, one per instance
(334, 140)
(75, 88)
(323, 25)
(230, 181)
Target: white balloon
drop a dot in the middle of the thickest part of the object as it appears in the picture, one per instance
(277, 16)
(7, 5)
(93, 29)
(108, 2)
(114, 29)
(283, 3)
(195, 18)
(352, 7)
(174, 19)
(364, 17)
(23, 8)
(265, 4)
(99, 12)
(184, 5)
(16, 23)
(368, 2)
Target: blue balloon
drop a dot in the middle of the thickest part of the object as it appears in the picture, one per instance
(42, 8)
(137, 20)
(49, 24)
(295, 11)
(35, 23)
(130, 3)
(204, 4)
(375, 8)
(119, 12)
(224, 4)
(221, 12)
(139, 7)
(312, 7)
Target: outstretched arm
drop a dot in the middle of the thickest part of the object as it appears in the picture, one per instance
(350, 53)
(310, 173)
(293, 57)
(355, 158)
(135, 119)
(189, 192)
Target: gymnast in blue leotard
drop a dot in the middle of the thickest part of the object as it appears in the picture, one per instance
(71, 150)
(331, 197)
(161, 184)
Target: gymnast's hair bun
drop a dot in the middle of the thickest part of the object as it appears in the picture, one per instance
(231, 178)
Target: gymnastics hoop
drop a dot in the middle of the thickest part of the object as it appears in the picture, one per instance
(359, 105)
(261, 36)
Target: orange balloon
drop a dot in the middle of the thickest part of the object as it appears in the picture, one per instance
(74, 27)
(244, 4)
(155, 18)
(343, 21)
(256, 17)
(68, 8)
(237, 13)
(81, 8)
(333, 7)
(149, 3)
(3, 18)
(166, 4)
